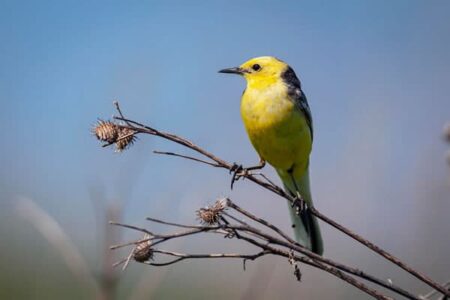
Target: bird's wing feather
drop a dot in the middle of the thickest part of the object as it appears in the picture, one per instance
(296, 94)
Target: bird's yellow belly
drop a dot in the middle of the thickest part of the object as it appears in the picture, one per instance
(278, 131)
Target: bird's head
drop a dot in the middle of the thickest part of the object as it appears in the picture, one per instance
(264, 69)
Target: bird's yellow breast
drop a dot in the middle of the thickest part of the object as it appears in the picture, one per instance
(276, 127)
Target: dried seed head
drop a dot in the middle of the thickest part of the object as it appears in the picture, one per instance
(210, 215)
(143, 251)
(106, 131)
(125, 139)
(221, 204)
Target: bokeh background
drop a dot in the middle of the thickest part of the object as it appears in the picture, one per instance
(376, 74)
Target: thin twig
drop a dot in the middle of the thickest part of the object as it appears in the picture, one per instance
(327, 268)
(245, 228)
(173, 224)
(430, 294)
(186, 157)
(342, 267)
(323, 267)
(261, 221)
(381, 252)
(117, 106)
(132, 227)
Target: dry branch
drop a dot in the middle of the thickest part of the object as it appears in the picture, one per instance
(275, 243)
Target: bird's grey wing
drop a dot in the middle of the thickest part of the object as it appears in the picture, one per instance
(296, 94)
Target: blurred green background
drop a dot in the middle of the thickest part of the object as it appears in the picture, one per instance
(376, 74)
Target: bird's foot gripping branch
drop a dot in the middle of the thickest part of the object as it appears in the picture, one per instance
(229, 220)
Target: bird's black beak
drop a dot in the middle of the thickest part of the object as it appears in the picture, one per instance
(235, 70)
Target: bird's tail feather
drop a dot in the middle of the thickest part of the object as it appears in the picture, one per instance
(306, 227)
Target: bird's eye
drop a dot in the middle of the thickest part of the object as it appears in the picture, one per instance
(256, 67)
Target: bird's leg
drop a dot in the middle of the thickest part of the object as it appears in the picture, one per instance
(299, 203)
(239, 171)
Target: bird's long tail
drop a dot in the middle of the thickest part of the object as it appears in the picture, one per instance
(306, 227)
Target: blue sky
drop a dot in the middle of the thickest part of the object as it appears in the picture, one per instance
(62, 64)
(376, 75)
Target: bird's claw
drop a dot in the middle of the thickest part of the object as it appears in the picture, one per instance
(238, 172)
(235, 167)
(241, 172)
(299, 204)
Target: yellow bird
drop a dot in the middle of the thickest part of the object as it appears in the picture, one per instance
(278, 121)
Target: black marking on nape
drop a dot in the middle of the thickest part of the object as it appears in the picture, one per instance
(290, 79)
(296, 94)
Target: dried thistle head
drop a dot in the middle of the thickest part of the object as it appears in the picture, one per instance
(143, 251)
(112, 133)
(221, 203)
(210, 215)
(106, 131)
(126, 138)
